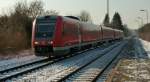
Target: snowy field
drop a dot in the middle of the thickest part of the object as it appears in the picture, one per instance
(132, 70)
(146, 45)
(135, 69)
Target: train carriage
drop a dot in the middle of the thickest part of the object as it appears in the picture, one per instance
(108, 33)
(57, 35)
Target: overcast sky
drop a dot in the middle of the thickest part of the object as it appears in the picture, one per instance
(128, 9)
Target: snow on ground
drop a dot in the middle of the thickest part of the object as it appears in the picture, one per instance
(135, 68)
(146, 45)
(17, 59)
(15, 54)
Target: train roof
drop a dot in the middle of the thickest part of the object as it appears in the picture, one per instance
(73, 17)
(76, 19)
(118, 30)
(47, 16)
(107, 27)
(110, 28)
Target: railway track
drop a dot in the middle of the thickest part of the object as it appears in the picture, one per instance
(59, 70)
(21, 65)
(27, 68)
(18, 70)
(92, 70)
(16, 62)
(105, 75)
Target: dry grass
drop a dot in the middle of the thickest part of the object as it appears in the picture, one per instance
(132, 70)
(12, 41)
(145, 36)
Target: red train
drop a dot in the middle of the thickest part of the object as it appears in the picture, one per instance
(58, 35)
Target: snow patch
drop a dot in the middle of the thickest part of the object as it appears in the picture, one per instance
(146, 45)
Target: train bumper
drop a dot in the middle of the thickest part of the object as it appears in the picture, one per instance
(49, 51)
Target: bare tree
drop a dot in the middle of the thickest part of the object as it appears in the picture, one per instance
(21, 8)
(35, 8)
(17, 23)
(85, 16)
(50, 12)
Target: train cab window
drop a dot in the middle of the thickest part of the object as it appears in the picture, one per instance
(45, 27)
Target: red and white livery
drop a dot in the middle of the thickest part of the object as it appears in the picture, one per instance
(58, 35)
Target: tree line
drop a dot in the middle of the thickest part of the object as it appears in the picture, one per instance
(16, 25)
(144, 32)
(116, 23)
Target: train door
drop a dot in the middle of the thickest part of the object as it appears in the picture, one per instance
(79, 35)
(114, 35)
(102, 34)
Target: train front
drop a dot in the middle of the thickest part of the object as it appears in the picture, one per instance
(43, 32)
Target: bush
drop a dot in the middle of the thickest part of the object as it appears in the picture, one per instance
(16, 26)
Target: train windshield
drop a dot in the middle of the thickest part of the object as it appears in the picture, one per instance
(45, 27)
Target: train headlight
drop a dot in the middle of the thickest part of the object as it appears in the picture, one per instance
(50, 42)
(36, 42)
